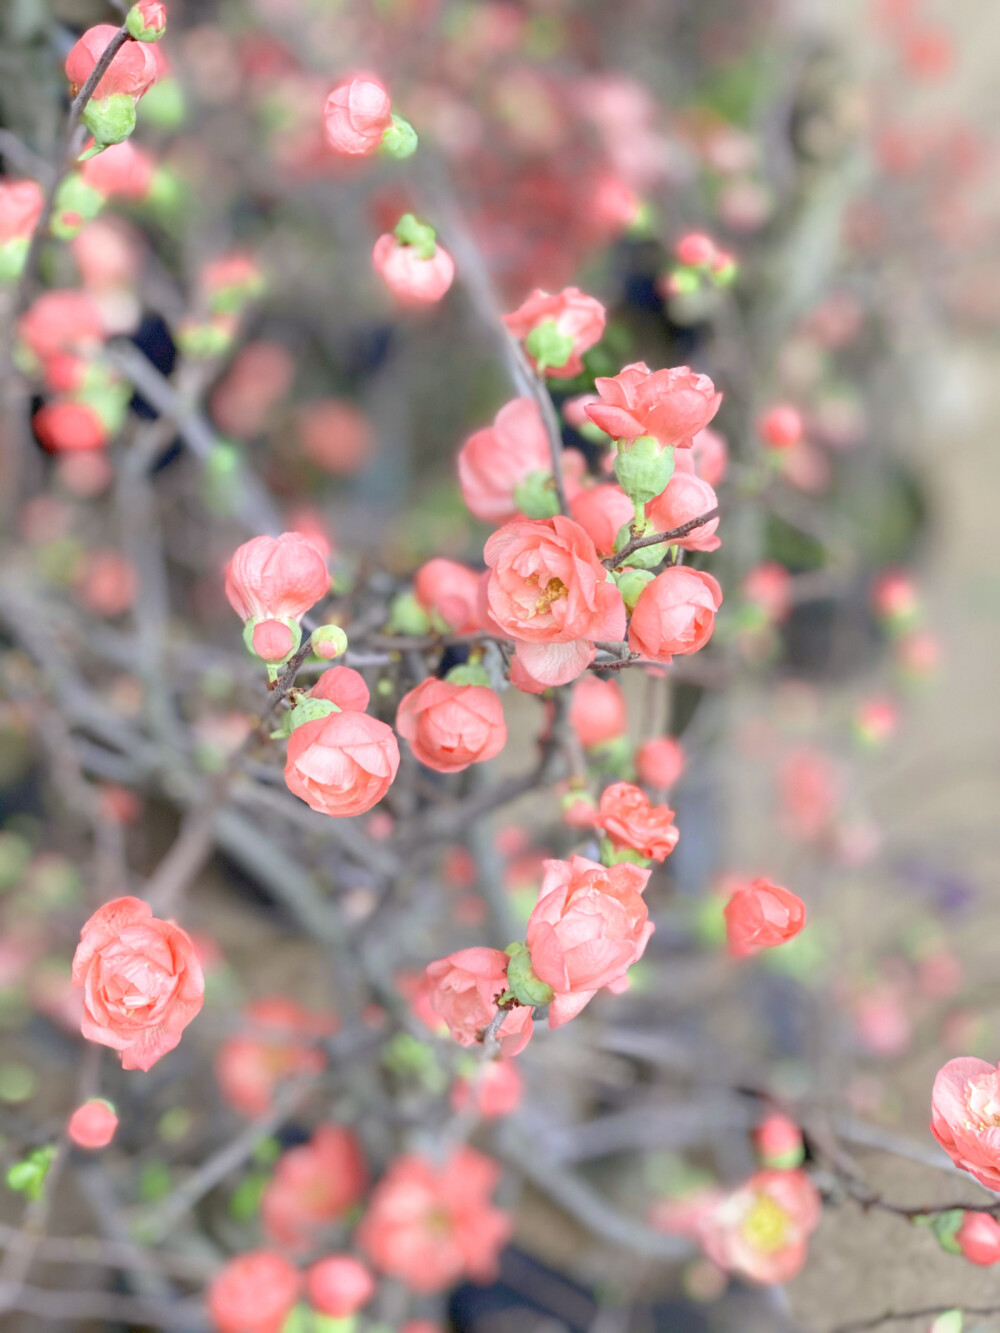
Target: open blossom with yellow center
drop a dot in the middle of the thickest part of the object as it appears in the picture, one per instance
(761, 1230)
(965, 1117)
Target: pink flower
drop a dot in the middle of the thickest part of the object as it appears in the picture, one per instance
(313, 1185)
(68, 427)
(280, 1044)
(780, 426)
(410, 277)
(430, 1225)
(761, 1230)
(550, 592)
(450, 592)
(93, 1124)
(276, 578)
(761, 915)
(450, 726)
(589, 926)
(597, 711)
(142, 983)
(979, 1238)
(132, 71)
(965, 1117)
(576, 318)
(121, 169)
(672, 405)
(769, 587)
(108, 583)
(778, 1141)
(253, 1293)
(707, 458)
(659, 762)
(61, 321)
(466, 986)
(627, 817)
(687, 497)
(339, 1285)
(344, 687)
(357, 115)
(674, 614)
(494, 1091)
(20, 208)
(342, 764)
(493, 461)
(602, 511)
(335, 434)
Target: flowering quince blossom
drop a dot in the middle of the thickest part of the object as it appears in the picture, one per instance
(659, 762)
(761, 915)
(761, 1230)
(495, 461)
(132, 71)
(780, 426)
(675, 614)
(67, 427)
(965, 1117)
(122, 170)
(342, 764)
(61, 321)
(549, 591)
(339, 1285)
(557, 329)
(449, 593)
(147, 20)
(708, 457)
(93, 1124)
(411, 263)
(21, 205)
(357, 115)
(671, 405)
(686, 497)
(250, 1066)
(141, 979)
(430, 1225)
(450, 726)
(253, 1293)
(464, 988)
(978, 1237)
(495, 1090)
(602, 511)
(589, 926)
(630, 821)
(597, 711)
(271, 582)
(344, 687)
(313, 1185)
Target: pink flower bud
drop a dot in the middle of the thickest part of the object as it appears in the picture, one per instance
(494, 1091)
(272, 640)
(93, 1124)
(686, 497)
(328, 642)
(344, 687)
(659, 762)
(630, 821)
(979, 1238)
(495, 460)
(695, 250)
(780, 426)
(62, 321)
(675, 614)
(779, 1142)
(412, 277)
(342, 764)
(65, 426)
(558, 329)
(122, 170)
(464, 989)
(276, 578)
(253, 1293)
(451, 726)
(339, 1285)
(769, 587)
(20, 208)
(147, 20)
(708, 457)
(335, 435)
(356, 116)
(449, 592)
(132, 71)
(597, 711)
(762, 915)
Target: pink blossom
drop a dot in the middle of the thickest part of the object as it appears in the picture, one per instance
(761, 1230)
(978, 1237)
(450, 726)
(686, 497)
(494, 460)
(449, 591)
(339, 1285)
(342, 764)
(313, 1185)
(671, 405)
(276, 578)
(357, 115)
(602, 511)
(577, 317)
(466, 986)
(597, 711)
(965, 1117)
(132, 71)
(674, 614)
(253, 1293)
(410, 277)
(627, 817)
(20, 208)
(659, 762)
(761, 915)
(92, 1125)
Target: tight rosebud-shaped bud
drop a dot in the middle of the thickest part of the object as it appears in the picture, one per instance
(400, 139)
(675, 614)
(780, 426)
(147, 20)
(93, 1124)
(132, 71)
(343, 764)
(449, 593)
(273, 640)
(762, 915)
(643, 467)
(978, 1238)
(686, 498)
(328, 642)
(557, 329)
(276, 578)
(779, 1144)
(253, 1293)
(357, 116)
(695, 250)
(339, 1285)
(451, 725)
(415, 268)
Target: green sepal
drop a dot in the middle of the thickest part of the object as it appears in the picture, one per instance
(310, 710)
(549, 347)
(526, 987)
(400, 139)
(469, 673)
(643, 468)
(535, 495)
(612, 855)
(409, 230)
(632, 583)
(110, 120)
(945, 1228)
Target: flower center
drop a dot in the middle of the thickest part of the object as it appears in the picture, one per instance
(766, 1225)
(552, 592)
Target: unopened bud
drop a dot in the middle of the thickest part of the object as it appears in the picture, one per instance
(110, 120)
(643, 468)
(328, 642)
(147, 20)
(409, 230)
(270, 639)
(779, 1143)
(535, 495)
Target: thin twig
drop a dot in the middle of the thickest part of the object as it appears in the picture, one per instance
(658, 538)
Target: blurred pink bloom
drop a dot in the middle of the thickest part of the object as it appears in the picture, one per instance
(253, 1293)
(357, 115)
(761, 915)
(597, 711)
(494, 460)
